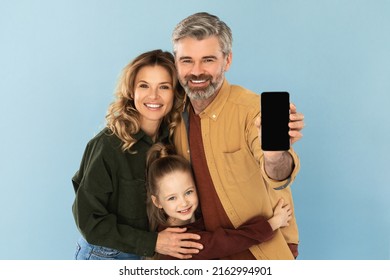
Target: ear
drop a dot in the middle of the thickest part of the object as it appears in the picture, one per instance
(155, 201)
(229, 59)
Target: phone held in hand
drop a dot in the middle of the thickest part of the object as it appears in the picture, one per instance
(275, 115)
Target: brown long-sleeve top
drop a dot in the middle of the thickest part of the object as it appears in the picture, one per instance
(226, 242)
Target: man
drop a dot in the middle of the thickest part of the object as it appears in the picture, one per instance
(236, 180)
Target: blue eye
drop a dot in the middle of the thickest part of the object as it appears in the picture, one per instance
(189, 192)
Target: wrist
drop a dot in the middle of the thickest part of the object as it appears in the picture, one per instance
(274, 156)
(278, 165)
(273, 223)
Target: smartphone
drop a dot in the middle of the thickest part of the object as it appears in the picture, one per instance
(275, 116)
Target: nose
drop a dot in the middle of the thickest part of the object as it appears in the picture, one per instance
(184, 201)
(154, 93)
(197, 69)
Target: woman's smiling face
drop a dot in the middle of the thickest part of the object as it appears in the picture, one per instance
(153, 94)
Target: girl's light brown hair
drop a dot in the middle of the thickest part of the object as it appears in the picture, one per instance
(161, 160)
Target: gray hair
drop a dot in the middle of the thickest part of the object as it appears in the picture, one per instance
(201, 26)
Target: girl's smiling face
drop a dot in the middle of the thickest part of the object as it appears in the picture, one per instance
(177, 196)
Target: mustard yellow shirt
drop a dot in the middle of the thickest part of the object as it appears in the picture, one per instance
(235, 161)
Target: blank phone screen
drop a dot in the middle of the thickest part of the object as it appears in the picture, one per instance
(275, 114)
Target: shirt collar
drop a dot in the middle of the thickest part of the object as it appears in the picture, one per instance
(162, 135)
(214, 109)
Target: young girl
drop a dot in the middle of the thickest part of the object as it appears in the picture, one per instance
(173, 201)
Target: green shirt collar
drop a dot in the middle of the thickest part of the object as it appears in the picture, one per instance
(162, 135)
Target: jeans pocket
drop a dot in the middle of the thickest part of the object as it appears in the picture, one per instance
(104, 253)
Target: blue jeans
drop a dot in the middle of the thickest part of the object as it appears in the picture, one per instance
(86, 251)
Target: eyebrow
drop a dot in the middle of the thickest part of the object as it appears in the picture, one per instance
(185, 57)
(170, 195)
(143, 81)
(204, 57)
(210, 56)
(191, 188)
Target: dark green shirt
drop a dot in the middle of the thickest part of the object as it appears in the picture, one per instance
(110, 204)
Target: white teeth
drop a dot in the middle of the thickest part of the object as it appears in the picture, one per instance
(198, 81)
(184, 211)
(153, 105)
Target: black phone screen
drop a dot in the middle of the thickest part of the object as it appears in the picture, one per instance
(275, 115)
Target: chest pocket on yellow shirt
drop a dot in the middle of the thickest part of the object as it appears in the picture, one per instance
(240, 166)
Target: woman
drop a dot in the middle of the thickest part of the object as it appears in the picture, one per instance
(110, 204)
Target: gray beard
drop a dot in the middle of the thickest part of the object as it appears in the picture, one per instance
(200, 94)
(204, 93)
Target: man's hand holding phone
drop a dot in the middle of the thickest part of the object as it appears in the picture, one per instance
(295, 124)
(279, 127)
(274, 114)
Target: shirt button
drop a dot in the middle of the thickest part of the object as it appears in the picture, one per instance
(188, 151)
(214, 116)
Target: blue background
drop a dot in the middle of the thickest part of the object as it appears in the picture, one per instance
(60, 60)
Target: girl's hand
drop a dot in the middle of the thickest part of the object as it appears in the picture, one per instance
(282, 215)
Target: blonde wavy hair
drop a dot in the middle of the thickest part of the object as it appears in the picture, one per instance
(122, 118)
